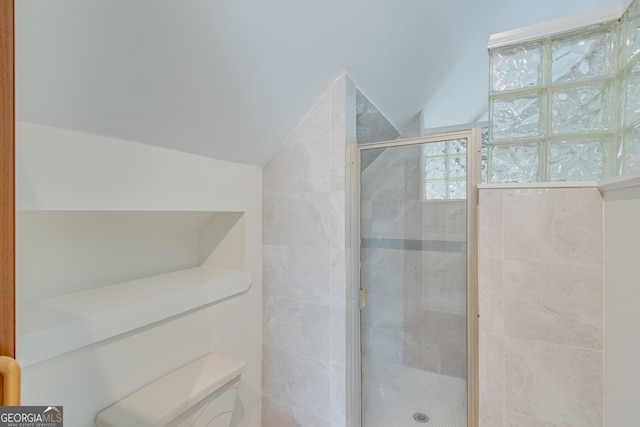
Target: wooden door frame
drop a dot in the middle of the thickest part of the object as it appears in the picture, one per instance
(7, 179)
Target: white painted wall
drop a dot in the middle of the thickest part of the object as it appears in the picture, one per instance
(116, 67)
(622, 295)
(65, 251)
(64, 170)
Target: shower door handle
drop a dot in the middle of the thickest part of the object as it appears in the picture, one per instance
(363, 298)
(10, 374)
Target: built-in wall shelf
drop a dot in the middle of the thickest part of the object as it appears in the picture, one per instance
(48, 327)
(87, 276)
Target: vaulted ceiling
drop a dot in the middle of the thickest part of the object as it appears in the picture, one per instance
(231, 79)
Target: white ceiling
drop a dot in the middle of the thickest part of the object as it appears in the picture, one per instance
(231, 79)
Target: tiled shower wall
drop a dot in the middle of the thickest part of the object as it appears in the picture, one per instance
(414, 268)
(305, 267)
(541, 307)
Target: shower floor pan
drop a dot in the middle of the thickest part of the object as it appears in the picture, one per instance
(392, 394)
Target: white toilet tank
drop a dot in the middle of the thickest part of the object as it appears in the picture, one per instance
(202, 393)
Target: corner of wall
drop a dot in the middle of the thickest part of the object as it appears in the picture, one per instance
(621, 362)
(305, 265)
(58, 169)
(371, 123)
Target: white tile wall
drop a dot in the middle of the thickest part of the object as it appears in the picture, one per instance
(541, 307)
(306, 267)
(558, 384)
(559, 303)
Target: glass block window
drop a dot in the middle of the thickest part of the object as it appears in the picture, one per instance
(445, 170)
(582, 56)
(562, 107)
(631, 33)
(517, 116)
(514, 162)
(484, 156)
(580, 109)
(629, 151)
(516, 67)
(630, 96)
(578, 160)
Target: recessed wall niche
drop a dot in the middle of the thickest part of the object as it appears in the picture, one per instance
(85, 276)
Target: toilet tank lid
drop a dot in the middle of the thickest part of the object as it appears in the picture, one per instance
(167, 397)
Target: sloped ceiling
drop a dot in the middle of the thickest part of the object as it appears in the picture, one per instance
(231, 79)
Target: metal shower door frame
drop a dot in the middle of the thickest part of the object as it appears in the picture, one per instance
(354, 392)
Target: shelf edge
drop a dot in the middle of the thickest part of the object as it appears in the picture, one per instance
(83, 330)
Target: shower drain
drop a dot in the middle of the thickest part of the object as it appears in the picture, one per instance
(420, 417)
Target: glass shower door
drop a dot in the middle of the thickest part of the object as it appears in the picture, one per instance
(413, 256)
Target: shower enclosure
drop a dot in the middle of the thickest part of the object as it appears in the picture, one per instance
(417, 288)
